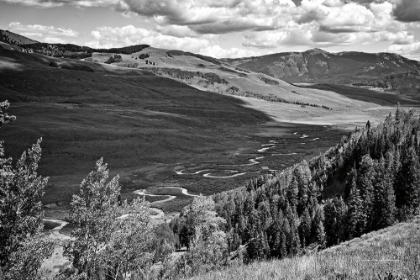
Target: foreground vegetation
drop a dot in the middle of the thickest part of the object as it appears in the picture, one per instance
(391, 253)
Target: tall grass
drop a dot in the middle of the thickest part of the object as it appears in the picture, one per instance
(392, 253)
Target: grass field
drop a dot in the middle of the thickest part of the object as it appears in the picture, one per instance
(392, 253)
(380, 98)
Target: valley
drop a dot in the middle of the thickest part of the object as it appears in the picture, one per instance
(177, 127)
(158, 134)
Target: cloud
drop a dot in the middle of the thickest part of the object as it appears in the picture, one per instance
(54, 40)
(39, 3)
(410, 50)
(43, 32)
(312, 36)
(109, 37)
(219, 52)
(274, 39)
(212, 16)
(57, 3)
(407, 10)
(264, 24)
(176, 31)
(229, 26)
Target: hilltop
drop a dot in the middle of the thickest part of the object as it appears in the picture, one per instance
(15, 39)
(221, 76)
(319, 66)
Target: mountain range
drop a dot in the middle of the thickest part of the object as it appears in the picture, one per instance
(380, 71)
(387, 71)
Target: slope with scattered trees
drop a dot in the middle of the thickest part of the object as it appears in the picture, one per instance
(368, 181)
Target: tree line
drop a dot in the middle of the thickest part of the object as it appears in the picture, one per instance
(368, 181)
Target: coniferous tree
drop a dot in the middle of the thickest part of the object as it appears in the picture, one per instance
(365, 178)
(356, 217)
(407, 187)
(335, 212)
(384, 200)
(305, 228)
(318, 230)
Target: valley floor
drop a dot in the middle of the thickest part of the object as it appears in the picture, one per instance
(391, 253)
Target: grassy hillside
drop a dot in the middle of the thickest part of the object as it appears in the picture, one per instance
(15, 39)
(391, 253)
(209, 74)
(318, 66)
(144, 126)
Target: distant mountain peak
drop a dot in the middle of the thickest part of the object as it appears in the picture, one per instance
(316, 51)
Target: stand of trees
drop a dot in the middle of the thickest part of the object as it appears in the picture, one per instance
(368, 181)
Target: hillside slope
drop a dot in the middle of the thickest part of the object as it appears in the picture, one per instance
(15, 39)
(209, 74)
(143, 125)
(323, 67)
(391, 253)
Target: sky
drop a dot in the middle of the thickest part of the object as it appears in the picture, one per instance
(222, 28)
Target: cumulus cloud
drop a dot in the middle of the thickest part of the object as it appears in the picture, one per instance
(54, 34)
(274, 39)
(210, 16)
(108, 37)
(219, 52)
(410, 50)
(54, 40)
(407, 10)
(176, 31)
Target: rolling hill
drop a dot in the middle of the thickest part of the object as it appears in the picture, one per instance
(15, 39)
(140, 123)
(319, 66)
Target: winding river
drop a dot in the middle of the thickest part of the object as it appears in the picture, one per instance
(210, 173)
(207, 173)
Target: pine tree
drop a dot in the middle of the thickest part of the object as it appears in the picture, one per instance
(365, 179)
(407, 185)
(318, 231)
(292, 192)
(283, 246)
(305, 228)
(335, 212)
(356, 218)
(384, 201)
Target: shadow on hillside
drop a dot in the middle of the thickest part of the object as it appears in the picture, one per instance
(380, 98)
